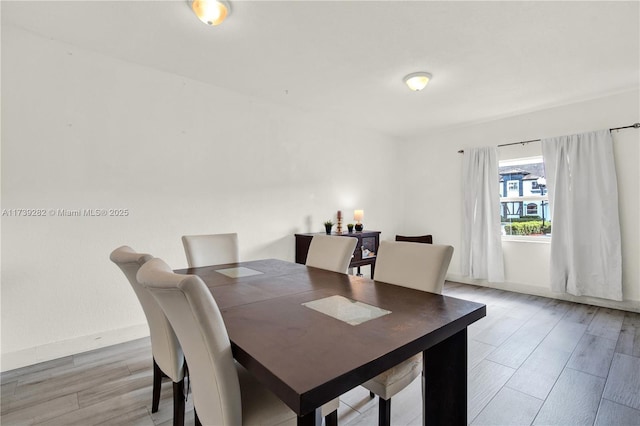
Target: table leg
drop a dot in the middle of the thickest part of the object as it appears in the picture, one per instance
(313, 418)
(444, 376)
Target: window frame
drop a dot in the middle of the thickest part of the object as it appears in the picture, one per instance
(524, 200)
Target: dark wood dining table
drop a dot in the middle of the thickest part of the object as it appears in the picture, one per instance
(308, 358)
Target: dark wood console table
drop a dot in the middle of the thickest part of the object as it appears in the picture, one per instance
(367, 240)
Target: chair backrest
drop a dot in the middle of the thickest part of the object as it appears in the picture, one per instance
(165, 347)
(331, 252)
(425, 239)
(419, 266)
(195, 317)
(213, 249)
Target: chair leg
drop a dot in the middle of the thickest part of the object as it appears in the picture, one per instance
(195, 414)
(157, 385)
(384, 412)
(331, 419)
(178, 403)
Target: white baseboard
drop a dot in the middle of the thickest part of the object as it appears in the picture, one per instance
(34, 355)
(626, 305)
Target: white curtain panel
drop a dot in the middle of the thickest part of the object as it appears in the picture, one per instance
(481, 233)
(586, 258)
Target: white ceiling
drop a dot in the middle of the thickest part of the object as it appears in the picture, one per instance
(345, 60)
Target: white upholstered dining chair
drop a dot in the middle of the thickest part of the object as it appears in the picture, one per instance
(224, 393)
(212, 249)
(418, 266)
(168, 359)
(331, 253)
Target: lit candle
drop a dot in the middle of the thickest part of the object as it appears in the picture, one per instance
(358, 215)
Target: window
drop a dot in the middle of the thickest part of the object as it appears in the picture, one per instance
(524, 203)
(513, 188)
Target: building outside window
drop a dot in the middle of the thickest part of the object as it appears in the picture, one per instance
(524, 202)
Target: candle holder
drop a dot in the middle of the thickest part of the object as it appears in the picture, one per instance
(339, 224)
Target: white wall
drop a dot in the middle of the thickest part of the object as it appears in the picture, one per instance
(433, 167)
(81, 130)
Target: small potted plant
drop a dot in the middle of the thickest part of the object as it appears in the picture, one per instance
(327, 226)
(350, 227)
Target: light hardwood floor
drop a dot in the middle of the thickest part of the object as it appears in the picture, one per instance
(532, 360)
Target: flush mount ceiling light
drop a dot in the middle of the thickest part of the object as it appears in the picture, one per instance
(417, 81)
(211, 12)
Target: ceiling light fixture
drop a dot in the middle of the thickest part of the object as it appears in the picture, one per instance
(211, 12)
(417, 81)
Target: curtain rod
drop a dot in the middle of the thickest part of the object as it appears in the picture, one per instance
(635, 126)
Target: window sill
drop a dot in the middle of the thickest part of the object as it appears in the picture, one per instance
(527, 239)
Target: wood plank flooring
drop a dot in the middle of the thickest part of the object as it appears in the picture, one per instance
(531, 361)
